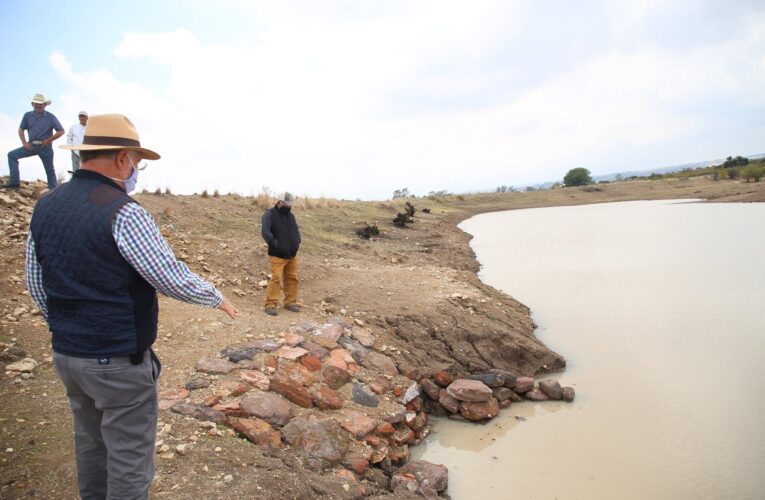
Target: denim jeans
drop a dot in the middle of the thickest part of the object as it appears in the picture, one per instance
(46, 155)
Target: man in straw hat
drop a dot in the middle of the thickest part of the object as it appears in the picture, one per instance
(280, 230)
(95, 259)
(40, 125)
(74, 138)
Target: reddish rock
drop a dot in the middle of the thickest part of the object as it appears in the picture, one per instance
(523, 385)
(379, 454)
(342, 354)
(325, 398)
(469, 390)
(293, 391)
(317, 437)
(256, 430)
(226, 387)
(421, 477)
(336, 362)
(452, 405)
(211, 400)
(401, 436)
(326, 343)
(332, 332)
(381, 363)
(415, 404)
(268, 406)
(358, 424)
(270, 361)
(353, 368)
(293, 339)
(335, 377)
(311, 362)
(399, 455)
(179, 393)
(256, 378)
(291, 353)
(430, 388)
(536, 395)
(346, 474)
(442, 378)
(567, 394)
(551, 388)
(380, 385)
(505, 403)
(358, 465)
(296, 373)
(419, 422)
(398, 391)
(482, 410)
(385, 429)
(230, 408)
(375, 441)
(214, 365)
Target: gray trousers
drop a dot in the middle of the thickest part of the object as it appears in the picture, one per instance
(114, 404)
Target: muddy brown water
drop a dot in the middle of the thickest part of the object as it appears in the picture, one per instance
(659, 308)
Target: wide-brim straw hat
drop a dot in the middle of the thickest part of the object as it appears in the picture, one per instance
(40, 99)
(111, 131)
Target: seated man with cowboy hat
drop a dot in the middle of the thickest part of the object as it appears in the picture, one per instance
(40, 125)
(95, 261)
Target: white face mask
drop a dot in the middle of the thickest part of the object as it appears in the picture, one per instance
(131, 181)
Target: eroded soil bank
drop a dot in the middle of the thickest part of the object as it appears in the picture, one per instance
(414, 289)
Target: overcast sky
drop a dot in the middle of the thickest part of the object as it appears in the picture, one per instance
(354, 99)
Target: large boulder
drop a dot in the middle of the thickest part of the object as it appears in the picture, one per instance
(256, 430)
(523, 385)
(551, 388)
(469, 390)
(380, 363)
(268, 406)
(476, 411)
(317, 437)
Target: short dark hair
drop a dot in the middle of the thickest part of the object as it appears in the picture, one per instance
(98, 153)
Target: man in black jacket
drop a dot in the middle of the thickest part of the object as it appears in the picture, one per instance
(281, 232)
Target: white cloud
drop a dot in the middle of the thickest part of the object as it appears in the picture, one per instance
(418, 94)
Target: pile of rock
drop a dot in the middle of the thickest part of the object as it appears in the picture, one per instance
(481, 396)
(322, 390)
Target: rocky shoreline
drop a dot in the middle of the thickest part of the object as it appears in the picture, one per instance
(328, 394)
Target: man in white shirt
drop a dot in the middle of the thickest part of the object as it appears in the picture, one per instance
(74, 138)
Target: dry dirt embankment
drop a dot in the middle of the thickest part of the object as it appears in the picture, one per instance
(413, 290)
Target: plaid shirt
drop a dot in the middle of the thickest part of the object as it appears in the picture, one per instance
(143, 247)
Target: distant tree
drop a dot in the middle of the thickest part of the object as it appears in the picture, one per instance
(618, 177)
(753, 172)
(738, 161)
(401, 193)
(579, 176)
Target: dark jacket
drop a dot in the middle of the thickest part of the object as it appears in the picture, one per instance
(281, 232)
(98, 305)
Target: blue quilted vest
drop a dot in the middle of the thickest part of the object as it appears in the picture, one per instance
(98, 305)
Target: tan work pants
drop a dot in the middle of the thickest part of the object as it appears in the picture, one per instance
(286, 268)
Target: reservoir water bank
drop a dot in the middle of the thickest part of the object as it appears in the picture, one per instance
(658, 308)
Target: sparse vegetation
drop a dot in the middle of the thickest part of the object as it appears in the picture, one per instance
(368, 231)
(401, 193)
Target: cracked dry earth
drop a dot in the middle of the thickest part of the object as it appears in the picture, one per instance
(415, 290)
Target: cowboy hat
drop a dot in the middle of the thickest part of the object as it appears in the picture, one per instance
(40, 99)
(111, 132)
